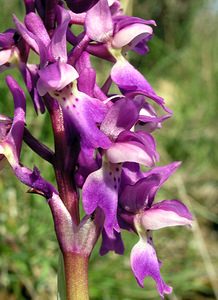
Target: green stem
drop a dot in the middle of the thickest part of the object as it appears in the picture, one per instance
(76, 274)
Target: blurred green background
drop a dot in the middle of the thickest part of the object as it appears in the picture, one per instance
(183, 68)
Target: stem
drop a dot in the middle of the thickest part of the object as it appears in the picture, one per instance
(64, 177)
(106, 86)
(38, 147)
(76, 274)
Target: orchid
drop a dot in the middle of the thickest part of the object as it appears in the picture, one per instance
(104, 154)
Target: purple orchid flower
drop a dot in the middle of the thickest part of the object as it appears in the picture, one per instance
(144, 263)
(137, 209)
(14, 53)
(11, 141)
(30, 76)
(122, 33)
(58, 79)
(101, 186)
(103, 144)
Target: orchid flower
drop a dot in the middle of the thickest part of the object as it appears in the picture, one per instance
(9, 52)
(137, 200)
(126, 147)
(104, 150)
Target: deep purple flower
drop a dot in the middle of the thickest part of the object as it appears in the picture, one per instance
(104, 149)
(136, 200)
(101, 186)
(11, 142)
(144, 262)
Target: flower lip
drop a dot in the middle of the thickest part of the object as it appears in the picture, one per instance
(98, 22)
(131, 35)
(144, 263)
(55, 77)
(166, 213)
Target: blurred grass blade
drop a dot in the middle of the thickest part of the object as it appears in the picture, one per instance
(127, 6)
(61, 279)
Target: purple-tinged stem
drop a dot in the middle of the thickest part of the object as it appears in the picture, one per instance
(39, 148)
(76, 274)
(106, 86)
(64, 178)
(100, 51)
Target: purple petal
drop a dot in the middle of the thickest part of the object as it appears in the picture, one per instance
(98, 22)
(133, 178)
(130, 80)
(15, 134)
(87, 75)
(85, 113)
(34, 41)
(7, 39)
(30, 75)
(136, 147)
(131, 35)
(121, 116)
(148, 120)
(34, 180)
(144, 263)
(101, 190)
(112, 244)
(123, 21)
(26, 34)
(55, 77)
(164, 172)
(131, 173)
(58, 46)
(135, 197)
(35, 25)
(165, 214)
(87, 163)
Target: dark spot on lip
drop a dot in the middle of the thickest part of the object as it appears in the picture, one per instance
(110, 173)
(117, 169)
(64, 98)
(71, 94)
(77, 99)
(74, 105)
(115, 179)
(115, 186)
